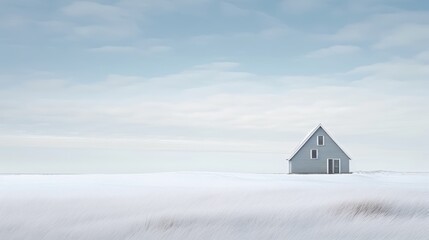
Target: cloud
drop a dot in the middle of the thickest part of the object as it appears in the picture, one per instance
(218, 65)
(297, 6)
(233, 10)
(94, 10)
(145, 47)
(217, 107)
(113, 49)
(405, 35)
(159, 6)
(126, 8)
(154, 144)
(13, 21)
(220, 97)
(103, 31)
(334, 51)
(404, 70)
(386, 30)
(268, 33)
(236, 9)
(269, 102)
(95, 20)
(423, 56)
(130, 49)
(158, 49)
(274, 32)
(122, 19)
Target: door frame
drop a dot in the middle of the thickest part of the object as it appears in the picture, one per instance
(339, 165)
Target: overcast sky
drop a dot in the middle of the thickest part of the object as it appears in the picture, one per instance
(234, 85)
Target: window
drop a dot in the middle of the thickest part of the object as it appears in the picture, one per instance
(320, 140)
(314, 153)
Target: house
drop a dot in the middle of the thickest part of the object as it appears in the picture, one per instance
(319, 153)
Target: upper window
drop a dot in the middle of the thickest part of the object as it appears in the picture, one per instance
(314, 154)
(320, 140)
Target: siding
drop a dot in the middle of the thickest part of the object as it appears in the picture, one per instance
(302, 163)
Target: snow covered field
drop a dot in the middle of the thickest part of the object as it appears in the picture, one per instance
(215, 206)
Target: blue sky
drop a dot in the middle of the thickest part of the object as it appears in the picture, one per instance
(137, 86)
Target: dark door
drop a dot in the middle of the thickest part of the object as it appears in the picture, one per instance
(333, 166)
(336, 165)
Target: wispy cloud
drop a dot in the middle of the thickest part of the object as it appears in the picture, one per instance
(387, 30)
(161, 5)
(94, 10)
(116, 20)
(91, 19)
(227, 99)
(103, 31)
(159, 48)
(334, 51)
(296, 6)
(212, 71)
(12, 21)
(113, 49)
(151, 49)
(405, 36)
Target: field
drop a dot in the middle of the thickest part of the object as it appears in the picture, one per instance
(371, 205)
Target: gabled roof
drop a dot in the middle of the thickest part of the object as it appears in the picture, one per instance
(309, 135)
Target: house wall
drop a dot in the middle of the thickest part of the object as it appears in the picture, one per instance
(302, 163)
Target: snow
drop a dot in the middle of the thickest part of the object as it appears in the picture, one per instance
(188, 205)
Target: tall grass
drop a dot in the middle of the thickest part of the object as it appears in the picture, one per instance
(207, 206)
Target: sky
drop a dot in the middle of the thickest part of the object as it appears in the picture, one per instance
(132, 86)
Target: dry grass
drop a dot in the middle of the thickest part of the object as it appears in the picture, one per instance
(250, 207)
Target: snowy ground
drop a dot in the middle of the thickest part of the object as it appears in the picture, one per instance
(215, 206)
